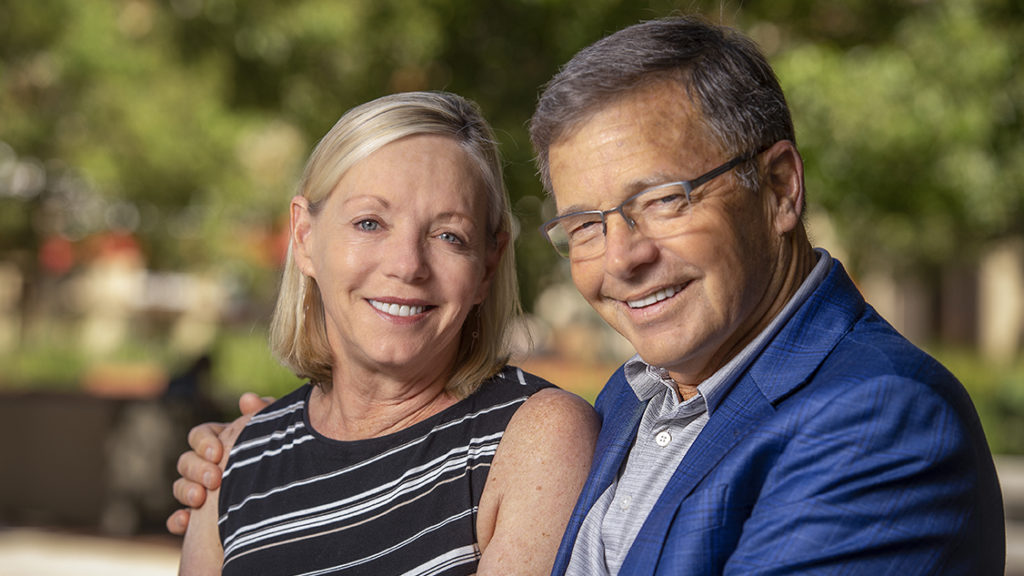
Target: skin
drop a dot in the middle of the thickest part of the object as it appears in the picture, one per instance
(386, 237)
(392, 365)
(736, 260)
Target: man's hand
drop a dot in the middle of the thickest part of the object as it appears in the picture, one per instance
(200, 468)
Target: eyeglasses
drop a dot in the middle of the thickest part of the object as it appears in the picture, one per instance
(655, 212)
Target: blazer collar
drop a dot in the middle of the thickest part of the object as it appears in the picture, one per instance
(809, 336)
(783, 367)
(620, 411)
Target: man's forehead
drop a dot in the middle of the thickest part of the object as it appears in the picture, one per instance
(626, 146)
(662, 102)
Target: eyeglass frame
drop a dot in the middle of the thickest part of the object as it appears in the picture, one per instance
(688, 187)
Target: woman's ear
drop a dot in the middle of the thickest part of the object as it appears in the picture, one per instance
(302, 235)
(491, 262)
(784, 178)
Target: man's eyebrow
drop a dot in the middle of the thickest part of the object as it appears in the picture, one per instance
(651, 181)
(634, 187)
(574, 208)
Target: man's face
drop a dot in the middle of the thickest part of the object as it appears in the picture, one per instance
(688, 302)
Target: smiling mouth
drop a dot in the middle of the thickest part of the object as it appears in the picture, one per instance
(398, 309)
(658, 296)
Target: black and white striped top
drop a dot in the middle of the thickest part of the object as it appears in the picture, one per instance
(295, 502)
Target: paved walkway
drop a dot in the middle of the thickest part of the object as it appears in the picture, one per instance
(32, 552)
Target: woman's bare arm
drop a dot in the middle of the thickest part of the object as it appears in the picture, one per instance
(537, 474)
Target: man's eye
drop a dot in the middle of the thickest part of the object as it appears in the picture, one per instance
(584, 228)
(672, 198)
(668, 201)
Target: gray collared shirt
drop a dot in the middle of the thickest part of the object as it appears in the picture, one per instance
(667, 430)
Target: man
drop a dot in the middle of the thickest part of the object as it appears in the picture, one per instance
(771, 421)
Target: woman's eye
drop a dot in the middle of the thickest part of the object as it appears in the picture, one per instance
(368, 225)
(450, 238)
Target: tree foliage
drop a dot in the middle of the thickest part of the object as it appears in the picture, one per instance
(186, 122)
(914, 146)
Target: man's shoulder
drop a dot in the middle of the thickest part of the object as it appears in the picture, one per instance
(616, 393)
(874, 348)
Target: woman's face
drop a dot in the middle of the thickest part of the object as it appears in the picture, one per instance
(401, 255)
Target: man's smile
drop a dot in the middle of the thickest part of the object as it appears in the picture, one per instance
(663, 294)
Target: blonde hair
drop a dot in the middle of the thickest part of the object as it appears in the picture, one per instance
(298, 331)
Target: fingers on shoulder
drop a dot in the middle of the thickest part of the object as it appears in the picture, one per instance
(177, 522)
(230, 434)
(250, 403)
(204, 437)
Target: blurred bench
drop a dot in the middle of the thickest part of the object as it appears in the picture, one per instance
(78, 460)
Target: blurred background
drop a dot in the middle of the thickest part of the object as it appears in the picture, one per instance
(148, 150)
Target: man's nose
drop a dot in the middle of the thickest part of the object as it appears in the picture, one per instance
(626, 248)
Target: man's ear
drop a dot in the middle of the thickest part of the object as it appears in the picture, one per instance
(491, 262)
(784, 179)
(302, 235)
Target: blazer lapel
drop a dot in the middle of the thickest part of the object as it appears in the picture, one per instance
(620, 412)
(785, 365)
(809, 336)
(741, 410)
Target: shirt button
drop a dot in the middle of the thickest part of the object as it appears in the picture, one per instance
(663, 438)
(624, 504)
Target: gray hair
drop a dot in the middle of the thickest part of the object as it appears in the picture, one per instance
(719, 69)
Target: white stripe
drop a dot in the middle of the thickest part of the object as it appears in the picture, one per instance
(456, 557)
(276, 435)
(521, 376)
(305, 520)
(265, 453)
(341, 510)
(358, 465)
(397, 546)
(280, 412)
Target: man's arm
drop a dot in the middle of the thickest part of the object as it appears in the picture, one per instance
(887, 477)
(199, 467)
(201, 552)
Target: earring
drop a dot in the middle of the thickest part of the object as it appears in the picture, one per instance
(477, 324)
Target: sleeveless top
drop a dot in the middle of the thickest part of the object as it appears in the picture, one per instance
(295, 502)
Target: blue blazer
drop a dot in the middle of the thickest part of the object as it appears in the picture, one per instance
(843, 449)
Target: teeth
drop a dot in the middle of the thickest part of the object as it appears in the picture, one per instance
(397, 309)
(656, 297)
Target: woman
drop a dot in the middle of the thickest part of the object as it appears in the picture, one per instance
(415, 449)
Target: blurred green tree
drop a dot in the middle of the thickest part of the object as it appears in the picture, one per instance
(186, 122)
(915, 145)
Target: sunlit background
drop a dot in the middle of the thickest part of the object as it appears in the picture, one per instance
(148, 149)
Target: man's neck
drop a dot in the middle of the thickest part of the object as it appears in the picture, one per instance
(796, 260)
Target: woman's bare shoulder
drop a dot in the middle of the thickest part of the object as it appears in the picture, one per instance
(537, 473)
(549, 413)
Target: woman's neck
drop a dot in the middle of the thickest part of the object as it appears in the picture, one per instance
(361, 406)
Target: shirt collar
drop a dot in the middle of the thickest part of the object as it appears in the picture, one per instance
(647, 380)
